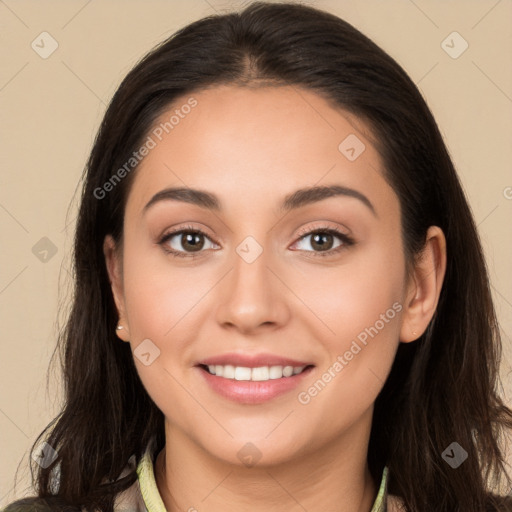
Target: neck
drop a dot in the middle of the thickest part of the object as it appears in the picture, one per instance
(335, 478)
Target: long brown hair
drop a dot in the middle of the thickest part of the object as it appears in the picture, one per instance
(442, 388)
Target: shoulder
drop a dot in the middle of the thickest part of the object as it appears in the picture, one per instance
(35, 504)
(494, 504)
(28, 505)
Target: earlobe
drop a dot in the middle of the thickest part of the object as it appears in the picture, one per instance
(424, 287)
(113, 264)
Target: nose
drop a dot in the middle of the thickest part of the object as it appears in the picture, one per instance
(253, 296)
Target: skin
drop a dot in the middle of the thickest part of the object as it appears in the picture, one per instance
(251, 147)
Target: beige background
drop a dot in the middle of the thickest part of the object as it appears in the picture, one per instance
(52, 107)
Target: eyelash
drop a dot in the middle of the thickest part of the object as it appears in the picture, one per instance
(347, 241)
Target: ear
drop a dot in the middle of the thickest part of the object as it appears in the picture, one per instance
(424, 286)
(114, 268)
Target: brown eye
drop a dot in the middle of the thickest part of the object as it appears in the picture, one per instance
(323, 241)
(185, 242)
(192, 241)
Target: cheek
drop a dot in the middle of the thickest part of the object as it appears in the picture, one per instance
(359, 305)
(160, 304)
(166, 302)
(351, 297)
(157, 292)
(360, 308)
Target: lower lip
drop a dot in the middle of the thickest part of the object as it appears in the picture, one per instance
(252, 392)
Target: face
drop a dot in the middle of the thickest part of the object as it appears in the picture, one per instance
(264, 279)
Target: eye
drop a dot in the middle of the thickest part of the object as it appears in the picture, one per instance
(184, 242)
(322, 238)
(189, 241)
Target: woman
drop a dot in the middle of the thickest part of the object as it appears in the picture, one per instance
(281, 298)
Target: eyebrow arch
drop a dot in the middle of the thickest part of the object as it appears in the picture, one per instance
(297, 199)
(305, 196)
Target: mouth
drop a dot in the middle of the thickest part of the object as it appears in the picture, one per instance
(253, 385)
(254, 374)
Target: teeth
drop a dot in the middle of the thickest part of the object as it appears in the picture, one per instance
(275, 372)
(241, 373)
(287, 371)
(261, 373)
(228, 371)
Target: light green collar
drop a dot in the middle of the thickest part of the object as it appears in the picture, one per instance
(147, 482)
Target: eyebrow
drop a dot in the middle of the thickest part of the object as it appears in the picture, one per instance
(297, 199)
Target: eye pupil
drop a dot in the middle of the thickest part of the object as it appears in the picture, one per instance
(191, 239)
(318, 239)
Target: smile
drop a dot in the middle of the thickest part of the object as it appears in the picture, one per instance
(262, 373)
(256, 385)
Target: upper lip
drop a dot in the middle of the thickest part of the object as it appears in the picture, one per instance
(252, 360)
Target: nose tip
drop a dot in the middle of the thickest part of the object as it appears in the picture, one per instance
(251, 295)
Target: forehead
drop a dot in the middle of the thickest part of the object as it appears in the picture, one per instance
(254, 145)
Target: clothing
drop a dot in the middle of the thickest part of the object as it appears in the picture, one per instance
(143, 495)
